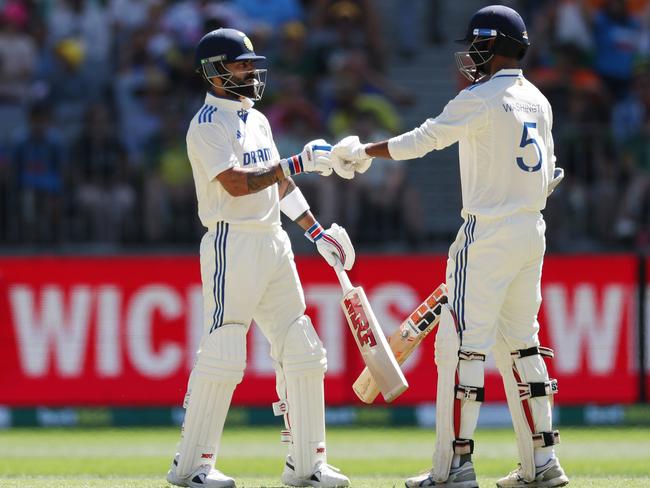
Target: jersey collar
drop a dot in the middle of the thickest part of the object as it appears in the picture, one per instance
(507, 73)
(229, 104)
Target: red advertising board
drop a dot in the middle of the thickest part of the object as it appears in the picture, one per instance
(123, 330)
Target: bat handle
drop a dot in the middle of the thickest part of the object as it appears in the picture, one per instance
(343, 277)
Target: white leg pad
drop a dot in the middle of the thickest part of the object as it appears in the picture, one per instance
(529, 393)
(446, 356)
(219, 368)
(303, 365)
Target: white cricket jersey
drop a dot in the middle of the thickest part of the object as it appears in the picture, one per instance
(503, 130)
(224, 134)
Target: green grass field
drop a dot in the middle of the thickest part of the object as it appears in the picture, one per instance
(58, 458)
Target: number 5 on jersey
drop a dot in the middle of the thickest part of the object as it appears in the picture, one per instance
(526, 140)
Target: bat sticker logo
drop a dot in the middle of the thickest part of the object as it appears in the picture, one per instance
(360, 321)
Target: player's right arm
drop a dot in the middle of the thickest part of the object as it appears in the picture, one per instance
(465, 112)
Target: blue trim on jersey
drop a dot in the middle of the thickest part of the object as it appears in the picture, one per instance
(219, 278)
(201, 112)
(470, 88)
(205, 115)
(460, 273)
(506, 76)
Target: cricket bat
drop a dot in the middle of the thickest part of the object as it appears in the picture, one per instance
(381, 364)
(404, 340)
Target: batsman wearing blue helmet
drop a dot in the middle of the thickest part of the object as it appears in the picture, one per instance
(248, 270)
(502, 124)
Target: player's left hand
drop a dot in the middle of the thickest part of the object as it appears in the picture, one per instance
(558, 176)
(335, 246)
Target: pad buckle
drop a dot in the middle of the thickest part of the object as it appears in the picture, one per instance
(537, 389)
(470, 356)
(546, 352)
(469, 393)
(280, 408)
(546, 439)
(463, 446)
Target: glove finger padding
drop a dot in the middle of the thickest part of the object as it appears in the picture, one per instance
(362, 165)
(350, 149)
(345, 169)
(336, 245)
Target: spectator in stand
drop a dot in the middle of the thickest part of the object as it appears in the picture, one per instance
(295, 57)
(169, 193)
(265, 15)
(37, 165)
(349, 95)
(18, 57)
(388, 209)
(348, 25)
(104, 196)
(634, 142)
(617, 37)
(87, 23)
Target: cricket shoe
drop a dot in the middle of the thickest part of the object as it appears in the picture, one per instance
(205, 476)
(323, 476)
(461, 477)
(548, 476)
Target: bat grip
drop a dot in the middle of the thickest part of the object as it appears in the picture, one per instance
(343, 277)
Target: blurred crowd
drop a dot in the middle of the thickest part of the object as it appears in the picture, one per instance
(96, 97)
(591, 58)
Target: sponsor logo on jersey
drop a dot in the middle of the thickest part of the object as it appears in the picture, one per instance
(257, 156)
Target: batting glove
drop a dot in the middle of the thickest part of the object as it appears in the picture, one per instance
(558, 176)
(333, 244)
(353, 153)
(314, 158)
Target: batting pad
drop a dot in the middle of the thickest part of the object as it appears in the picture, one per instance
(446, 356)
(304, 365)
(219, 368)
(529, 394)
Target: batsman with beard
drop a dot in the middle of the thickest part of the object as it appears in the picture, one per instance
(248, 271)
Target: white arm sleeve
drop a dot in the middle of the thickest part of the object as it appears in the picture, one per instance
(460, 114)
(211, 144)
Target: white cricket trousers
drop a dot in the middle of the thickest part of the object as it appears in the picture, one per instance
(248, 272)
(493, 276)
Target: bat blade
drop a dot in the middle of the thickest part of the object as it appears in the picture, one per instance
(380, 362)
(404, 340)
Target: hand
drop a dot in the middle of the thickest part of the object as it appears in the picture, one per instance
(353, 154)
(343, 168)
(333, 244)
(558, 176)
(314, 158)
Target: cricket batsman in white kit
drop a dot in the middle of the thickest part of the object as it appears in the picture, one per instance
(248, 270)
(502, 124)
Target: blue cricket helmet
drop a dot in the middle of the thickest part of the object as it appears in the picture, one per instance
(495, 22)
(220, 47)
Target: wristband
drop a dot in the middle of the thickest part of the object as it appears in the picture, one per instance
(292, 165)
(315, 232)
(294, 204)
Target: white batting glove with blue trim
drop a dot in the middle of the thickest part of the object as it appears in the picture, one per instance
(314, 158)
(333, 244)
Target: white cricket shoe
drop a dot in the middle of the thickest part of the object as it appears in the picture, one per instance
(323, 476)
(461, 477)
(204, 477)
(548, 476)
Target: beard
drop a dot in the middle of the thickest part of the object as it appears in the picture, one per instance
(247, 87)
